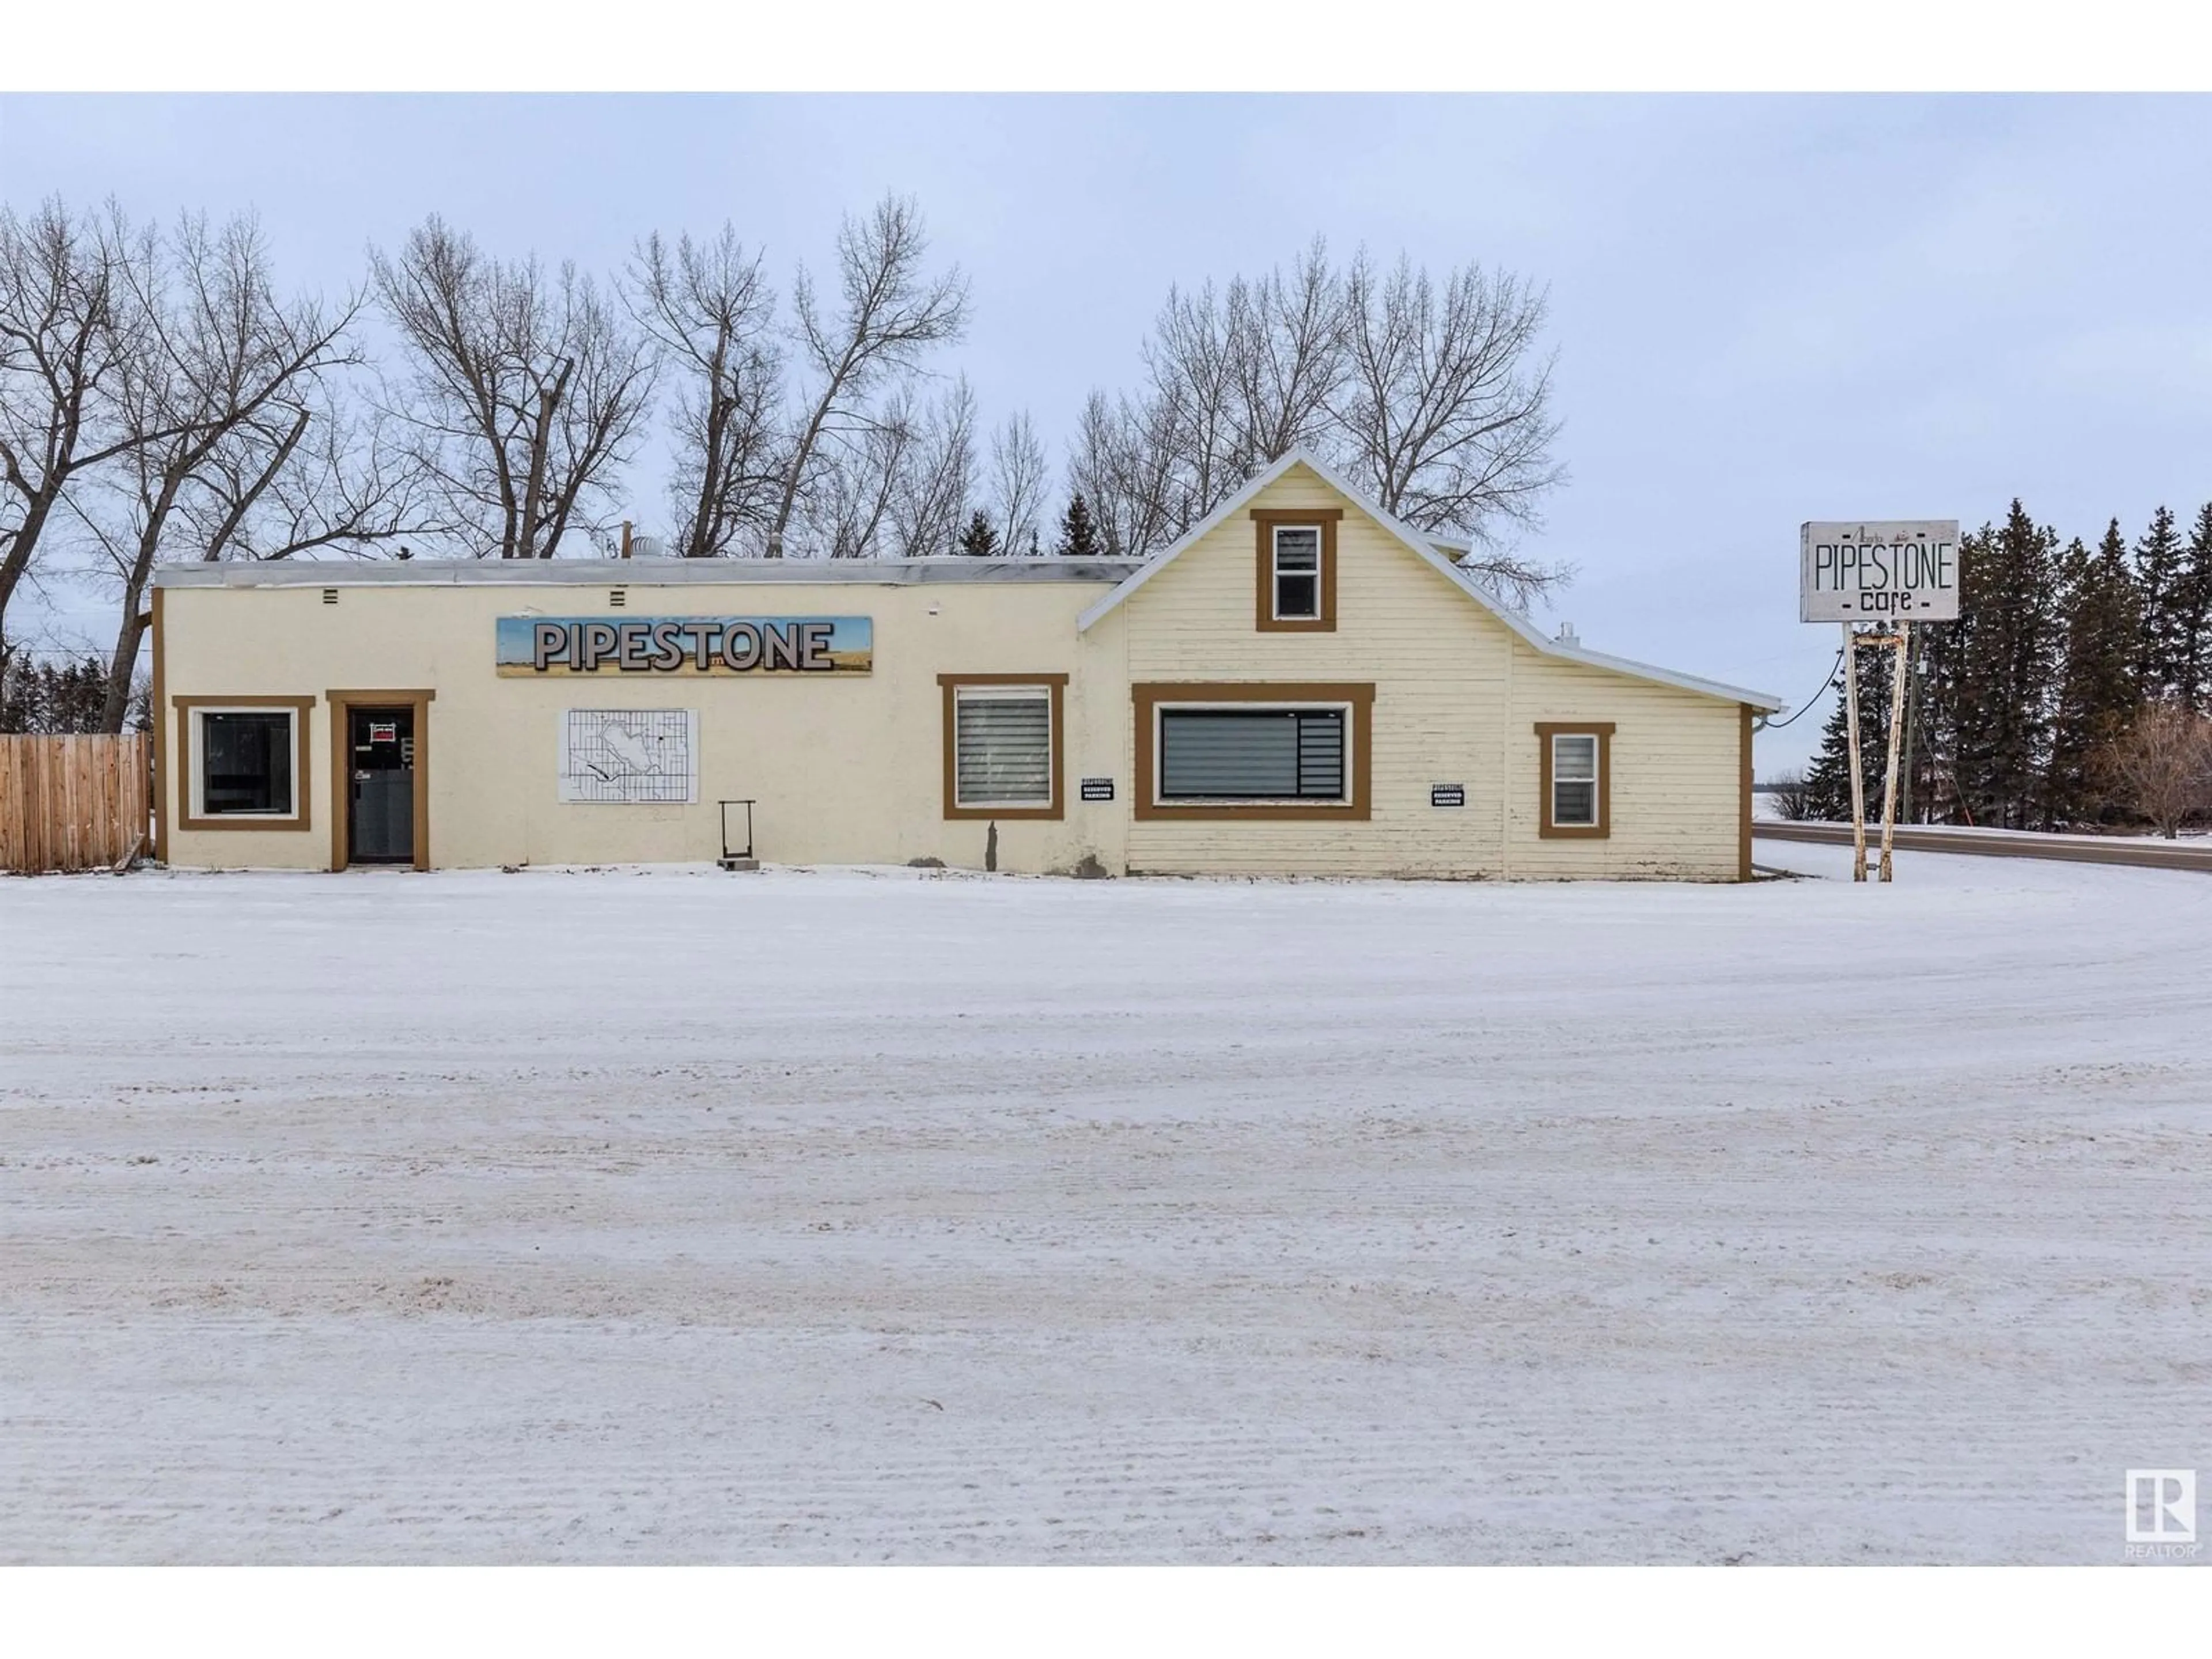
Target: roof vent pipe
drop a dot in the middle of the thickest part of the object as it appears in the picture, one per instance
(1567, 635)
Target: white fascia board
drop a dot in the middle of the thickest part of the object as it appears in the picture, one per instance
(635, 572)
(1456, 575)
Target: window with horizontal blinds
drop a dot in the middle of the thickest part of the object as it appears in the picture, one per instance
(1251, 754)
(1297, 573)
(1574, 780)
(1002, 747)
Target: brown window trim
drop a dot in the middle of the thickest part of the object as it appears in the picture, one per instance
(1265, 522)
(1146, 699)
(343, 703)
(302, 785)
(1057, 683)
(1603, 731)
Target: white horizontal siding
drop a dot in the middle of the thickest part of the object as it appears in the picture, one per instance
(1457, 700)
(1676, 774)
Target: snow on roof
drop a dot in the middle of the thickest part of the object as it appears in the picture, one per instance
(1433, 551)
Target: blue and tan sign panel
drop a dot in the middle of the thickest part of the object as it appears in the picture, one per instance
(686, 645)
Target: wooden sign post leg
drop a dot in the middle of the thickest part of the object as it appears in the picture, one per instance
(1896, 732)
(1858, 785)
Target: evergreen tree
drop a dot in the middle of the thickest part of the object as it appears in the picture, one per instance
(2000, 668)
(2097, 690)
(2159, 577)
(2190, 619)
(53, 697)
(1079, 537)
(979, 540)
(1828, 783)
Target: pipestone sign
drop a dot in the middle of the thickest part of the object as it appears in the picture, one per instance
(686, 645)
(1888, 571)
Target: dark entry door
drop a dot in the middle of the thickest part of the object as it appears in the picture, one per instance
(380, 819)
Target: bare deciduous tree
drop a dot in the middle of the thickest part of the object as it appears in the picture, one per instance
(712, 311)
(1193, 361)
(222, 362)
(2162, 765)
(67, 329)
(1018, 474)
(853, 498)
(937, 477)
(529, 391)
(1291, 359)
(1429, 395)
(1443, 416)
(1123, 462)
(890, 312)
(1791, 800)
(333, 477)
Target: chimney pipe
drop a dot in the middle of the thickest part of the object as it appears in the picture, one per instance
(625, 545)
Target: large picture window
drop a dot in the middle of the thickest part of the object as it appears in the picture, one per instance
(1252, 754)
(1576, 781)
(1002, 741)
(1252, 750)
(244, 762)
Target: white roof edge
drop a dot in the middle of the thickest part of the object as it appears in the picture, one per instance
(1205, 527)
(1421, 546)
(634, 573)
(1765, 702)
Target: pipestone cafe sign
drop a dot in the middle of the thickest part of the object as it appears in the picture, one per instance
(686, 645)
(1891, 571)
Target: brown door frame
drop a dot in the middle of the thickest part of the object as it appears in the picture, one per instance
(343, 703)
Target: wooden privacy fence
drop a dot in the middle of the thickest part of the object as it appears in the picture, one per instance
(73, 803)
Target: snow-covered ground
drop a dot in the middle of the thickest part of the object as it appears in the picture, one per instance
(828, 1217)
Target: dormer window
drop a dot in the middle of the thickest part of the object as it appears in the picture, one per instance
(1297, 587)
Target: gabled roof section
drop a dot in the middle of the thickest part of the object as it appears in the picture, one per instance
(1422, 547)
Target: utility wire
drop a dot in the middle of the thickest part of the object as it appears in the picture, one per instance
(1833, 669)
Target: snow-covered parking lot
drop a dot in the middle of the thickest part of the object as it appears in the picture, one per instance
(828, 1217)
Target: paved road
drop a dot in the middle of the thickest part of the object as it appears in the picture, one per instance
(2006, 843)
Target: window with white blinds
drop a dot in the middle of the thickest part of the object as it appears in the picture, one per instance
(1297, 573)
(1574, 780)
(1002, 745)
(1251, 754)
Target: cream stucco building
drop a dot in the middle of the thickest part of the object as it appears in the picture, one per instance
(1301, 685)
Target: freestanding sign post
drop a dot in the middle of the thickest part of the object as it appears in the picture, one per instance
(1892, 571)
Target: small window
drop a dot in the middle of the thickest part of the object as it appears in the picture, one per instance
(245, 762)
(1297, 573)
(1252, 754)
(1574, 780)
(1295, 566)
(1002, 747)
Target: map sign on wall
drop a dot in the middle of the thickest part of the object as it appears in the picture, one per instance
(630, 757)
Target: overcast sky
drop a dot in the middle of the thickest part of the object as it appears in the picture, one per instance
(1765, 309)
